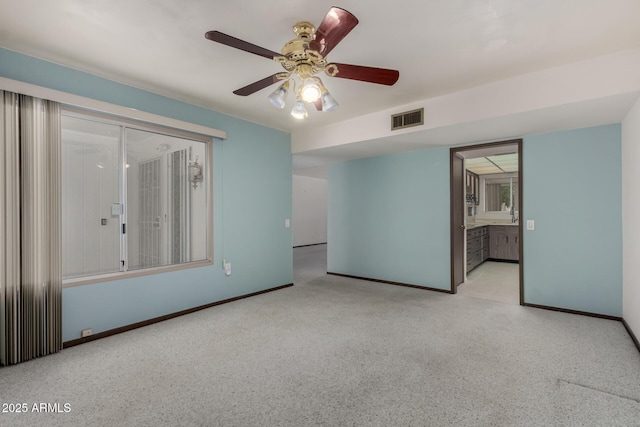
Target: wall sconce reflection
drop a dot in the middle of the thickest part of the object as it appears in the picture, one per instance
(195, 173)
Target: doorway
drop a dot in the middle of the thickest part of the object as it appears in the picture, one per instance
(486, 231)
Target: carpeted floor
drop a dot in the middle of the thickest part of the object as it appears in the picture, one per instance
(336, 351)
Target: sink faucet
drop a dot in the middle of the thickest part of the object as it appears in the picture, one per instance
(514, 218)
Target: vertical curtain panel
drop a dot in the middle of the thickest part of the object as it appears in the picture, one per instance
(30, 228)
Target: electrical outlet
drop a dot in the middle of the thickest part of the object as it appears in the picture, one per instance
(227, 268)
(87, 332)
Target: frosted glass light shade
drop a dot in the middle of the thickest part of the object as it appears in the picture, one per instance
(299, 111)
(277, 98)
(328, 103)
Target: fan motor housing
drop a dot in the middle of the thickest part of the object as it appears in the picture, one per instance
(304, 30)
(295, 50)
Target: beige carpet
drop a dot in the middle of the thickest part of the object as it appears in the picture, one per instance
(335, 351)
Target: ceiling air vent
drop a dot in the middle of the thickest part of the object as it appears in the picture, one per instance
(407, 119)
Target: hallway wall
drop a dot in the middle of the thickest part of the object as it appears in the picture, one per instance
(389, 218)
(309, 210)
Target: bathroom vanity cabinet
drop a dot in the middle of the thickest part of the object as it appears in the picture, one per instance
(498, 242)
(477, 247)
(503, 242)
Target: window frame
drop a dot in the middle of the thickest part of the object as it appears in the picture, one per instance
(129, 123)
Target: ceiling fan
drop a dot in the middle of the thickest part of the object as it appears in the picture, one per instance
(303, 58)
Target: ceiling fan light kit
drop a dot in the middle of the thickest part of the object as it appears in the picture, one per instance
(303, 58)
(277, 98)
(310, 90)
(328, 103)
(299, 110)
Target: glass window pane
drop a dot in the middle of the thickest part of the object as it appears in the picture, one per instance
(90, 187)
(166, 210)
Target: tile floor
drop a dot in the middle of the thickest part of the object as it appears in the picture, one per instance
(496, 281)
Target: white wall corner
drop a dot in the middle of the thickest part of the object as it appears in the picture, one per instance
(630, 215)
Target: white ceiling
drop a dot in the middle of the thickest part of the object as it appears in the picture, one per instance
(439, 46)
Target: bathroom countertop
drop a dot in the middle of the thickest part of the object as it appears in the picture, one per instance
(471, 226)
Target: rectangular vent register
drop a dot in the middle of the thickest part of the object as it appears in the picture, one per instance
(407, 119)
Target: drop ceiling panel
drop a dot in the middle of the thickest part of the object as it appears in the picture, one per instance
(504, 163)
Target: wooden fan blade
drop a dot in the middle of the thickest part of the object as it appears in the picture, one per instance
(228, 40)
(256, 86)
(382, 76)
(334, 27)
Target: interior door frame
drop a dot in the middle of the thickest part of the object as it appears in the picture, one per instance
(459, 204)
(458, 189)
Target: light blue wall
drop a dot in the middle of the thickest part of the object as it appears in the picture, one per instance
(389, 218)
(573, 190)
(252, 198)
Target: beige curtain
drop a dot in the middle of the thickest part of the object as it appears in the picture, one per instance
(30, 228)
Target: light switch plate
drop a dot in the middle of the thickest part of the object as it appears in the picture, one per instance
(531, 224)
(287, 223)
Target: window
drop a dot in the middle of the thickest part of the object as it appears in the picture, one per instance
(136, 197)
(501, 194)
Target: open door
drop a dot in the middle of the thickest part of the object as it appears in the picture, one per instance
(458, 213)
(457, 221)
